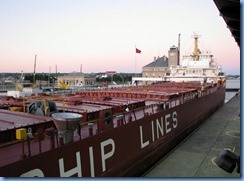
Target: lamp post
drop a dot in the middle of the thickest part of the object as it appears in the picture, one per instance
(3, 81)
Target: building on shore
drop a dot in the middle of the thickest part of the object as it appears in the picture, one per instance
(77, 79)
(156, 70)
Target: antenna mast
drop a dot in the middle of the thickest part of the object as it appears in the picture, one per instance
(34, 75)
(178, 63)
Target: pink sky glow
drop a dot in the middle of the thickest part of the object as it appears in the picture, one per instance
(101, 35)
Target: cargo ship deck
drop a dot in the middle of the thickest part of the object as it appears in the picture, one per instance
(124, 105)
(140, 101)
(196, 155)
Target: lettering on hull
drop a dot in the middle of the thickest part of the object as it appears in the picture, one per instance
(78, 169)
(164, 125)
(159, 127)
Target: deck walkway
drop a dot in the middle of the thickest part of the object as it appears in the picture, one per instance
(196, 156)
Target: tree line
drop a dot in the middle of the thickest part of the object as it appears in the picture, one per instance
(52, 77)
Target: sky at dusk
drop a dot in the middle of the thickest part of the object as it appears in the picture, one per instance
(101, 35)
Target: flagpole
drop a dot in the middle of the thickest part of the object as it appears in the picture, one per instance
(135, 60)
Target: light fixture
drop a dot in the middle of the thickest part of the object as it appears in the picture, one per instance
(228, 160)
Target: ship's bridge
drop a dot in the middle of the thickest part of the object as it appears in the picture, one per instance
(195, 64)
(205, 60)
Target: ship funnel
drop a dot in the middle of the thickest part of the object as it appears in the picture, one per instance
(66, 124)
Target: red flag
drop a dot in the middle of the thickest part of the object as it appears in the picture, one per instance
(138, 51)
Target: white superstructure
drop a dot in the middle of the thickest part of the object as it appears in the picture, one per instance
(196, 67)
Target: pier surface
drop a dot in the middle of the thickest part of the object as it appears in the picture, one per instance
(196, 155)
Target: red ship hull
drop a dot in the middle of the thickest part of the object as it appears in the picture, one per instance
(126, 150)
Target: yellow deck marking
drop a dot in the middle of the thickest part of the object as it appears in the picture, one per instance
(229, 134)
